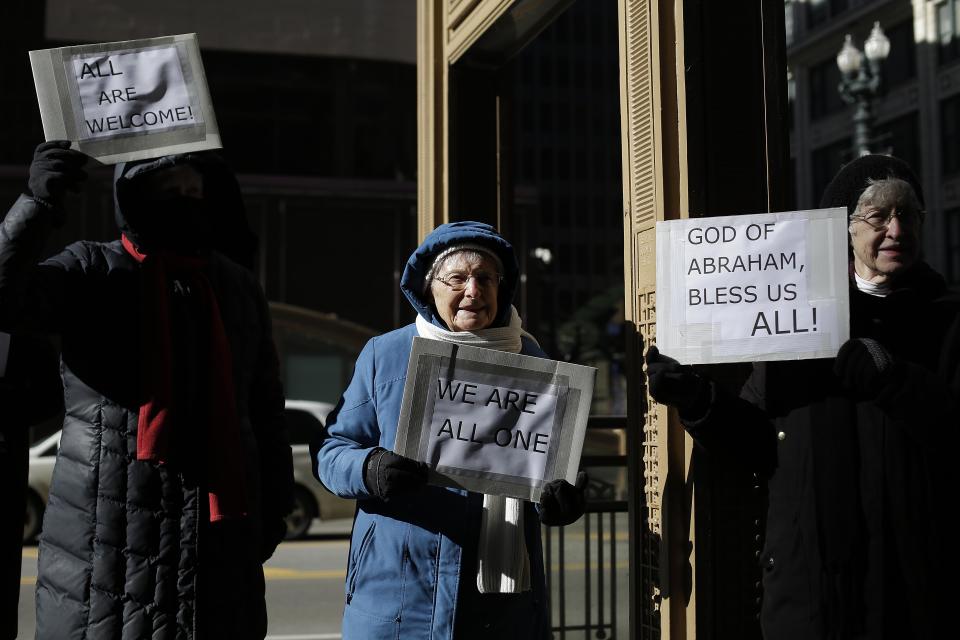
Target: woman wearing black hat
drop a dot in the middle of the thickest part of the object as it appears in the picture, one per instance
(856, 449)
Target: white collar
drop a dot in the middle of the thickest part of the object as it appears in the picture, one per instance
(871, 288)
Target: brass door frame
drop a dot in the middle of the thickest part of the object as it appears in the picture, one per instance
(654, 188)
(653, 133)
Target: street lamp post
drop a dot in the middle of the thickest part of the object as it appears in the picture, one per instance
(861, 82)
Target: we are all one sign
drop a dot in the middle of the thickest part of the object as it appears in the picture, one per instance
(493, 422)
(753, 287)
(479, 416)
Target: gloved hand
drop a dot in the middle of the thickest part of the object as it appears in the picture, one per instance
(677, 385)
(388, 474)
(562, 503)
(863, 366)
(56, 168)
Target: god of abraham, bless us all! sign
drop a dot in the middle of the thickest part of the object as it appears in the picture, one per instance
(754, 287)
(129, 100)
(493, 422)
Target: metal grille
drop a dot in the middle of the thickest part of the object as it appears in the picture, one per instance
(586, 562)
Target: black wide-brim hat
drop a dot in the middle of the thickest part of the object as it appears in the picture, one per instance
(852, 180)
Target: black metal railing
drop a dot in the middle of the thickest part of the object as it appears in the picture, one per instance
(587, 582)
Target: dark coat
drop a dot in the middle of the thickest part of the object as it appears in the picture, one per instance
(127, 549)
(856, 545)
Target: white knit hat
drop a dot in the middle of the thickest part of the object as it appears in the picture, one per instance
(454, 249)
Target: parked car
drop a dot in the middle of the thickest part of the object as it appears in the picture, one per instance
(311, 500)
(42, 456)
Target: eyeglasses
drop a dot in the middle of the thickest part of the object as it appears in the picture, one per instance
(880, 220)
(457, 280)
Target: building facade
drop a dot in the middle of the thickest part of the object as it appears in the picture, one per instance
(917, 116)
(316, 104)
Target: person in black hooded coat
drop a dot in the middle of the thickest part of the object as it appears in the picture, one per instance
(174, 472)
(857, 450)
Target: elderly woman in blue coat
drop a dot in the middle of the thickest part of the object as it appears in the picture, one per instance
(425, 561)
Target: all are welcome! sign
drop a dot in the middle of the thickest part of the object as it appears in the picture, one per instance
(130, 100)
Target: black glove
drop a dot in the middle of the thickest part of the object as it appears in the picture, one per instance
(55, 169)
(863, 366)
(387, 474)
(677, 385)
(562, 503)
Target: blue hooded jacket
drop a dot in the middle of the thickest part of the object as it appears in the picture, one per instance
(404, 569)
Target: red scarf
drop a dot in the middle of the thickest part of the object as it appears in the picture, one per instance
(224, 452)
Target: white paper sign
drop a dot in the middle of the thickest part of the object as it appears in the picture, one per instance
(493, 422)
(753, 287)
(469, 417)
(124, 92)
(132, 100)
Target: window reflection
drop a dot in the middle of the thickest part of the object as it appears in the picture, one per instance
(575, 306)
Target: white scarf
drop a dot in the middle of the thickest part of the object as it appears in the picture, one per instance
(499, 338)
(503, 565)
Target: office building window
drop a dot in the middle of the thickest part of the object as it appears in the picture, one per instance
(546, 117)
(901, 66)
(792, 185)
(563, 212)
(948, 28)
(791, 97)
(788, 7)
(600, 260)
(582, 260)
(547, 209)
(901, 138)
(950, 135)
(360, 122)
(563, 164)
(546, 163)
(952, 238)
(581, 214)
(821, 11)
(824, 98)
(826, 162)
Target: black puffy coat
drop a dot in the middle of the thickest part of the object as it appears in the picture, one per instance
(856, 542)
(127, 549)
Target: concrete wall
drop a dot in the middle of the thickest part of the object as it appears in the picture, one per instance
(370, 29)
